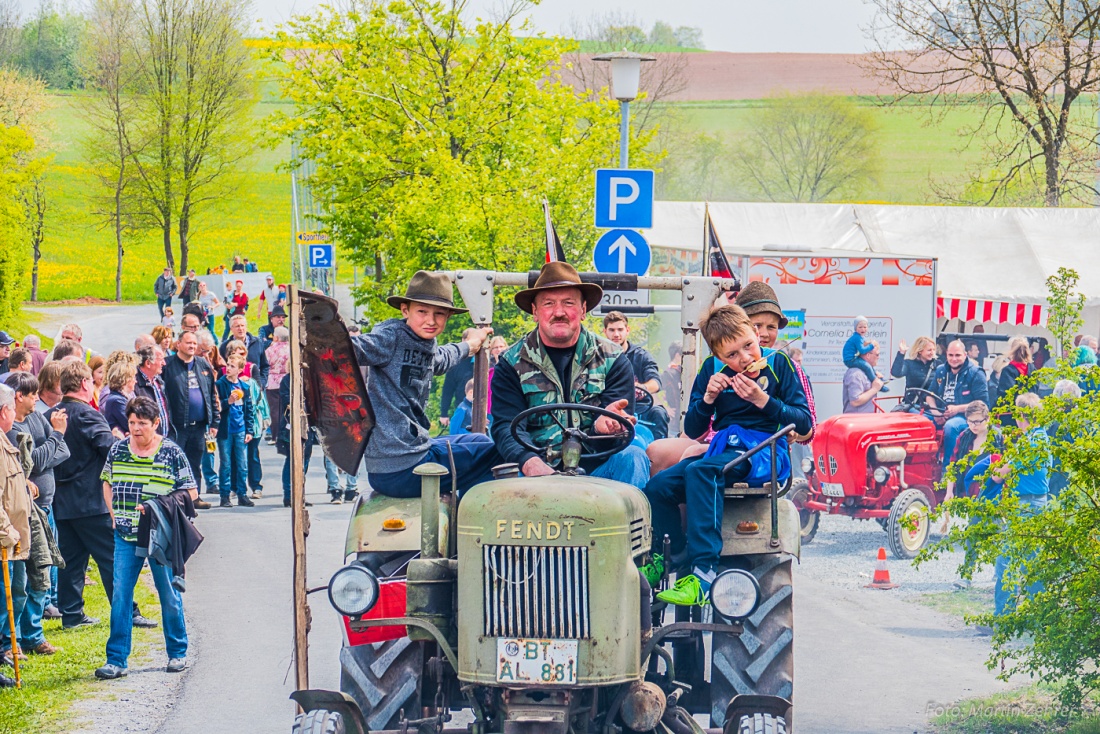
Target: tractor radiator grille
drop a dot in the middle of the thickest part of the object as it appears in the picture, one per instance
(637, 533)
(536, 591)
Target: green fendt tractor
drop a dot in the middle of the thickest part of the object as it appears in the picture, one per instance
(524, 607)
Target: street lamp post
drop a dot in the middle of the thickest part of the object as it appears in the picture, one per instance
(626, 72)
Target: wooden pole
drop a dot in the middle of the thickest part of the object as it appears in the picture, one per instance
(479, 423)
(299, 518)
(11, 617)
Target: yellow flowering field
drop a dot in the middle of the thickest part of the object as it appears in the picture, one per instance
(79, 254)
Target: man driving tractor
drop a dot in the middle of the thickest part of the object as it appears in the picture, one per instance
(958, 383)
(561, 361)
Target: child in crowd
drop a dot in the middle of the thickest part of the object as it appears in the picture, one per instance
(169, 319)
(746, 406)
(460, 419)
(233, 432)
(261, 419)
(858, 345)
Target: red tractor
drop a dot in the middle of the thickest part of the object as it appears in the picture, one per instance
(881, 466)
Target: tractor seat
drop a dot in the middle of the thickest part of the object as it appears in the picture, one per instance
(740, 489)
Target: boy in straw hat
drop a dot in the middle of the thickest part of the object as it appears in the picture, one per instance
(403, 356)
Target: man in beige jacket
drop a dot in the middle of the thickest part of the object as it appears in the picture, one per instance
(15, 527)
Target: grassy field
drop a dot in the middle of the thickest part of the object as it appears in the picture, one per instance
(1030, 710)
(79, 252)
(52, 684)
(913, 151)
(254, 221)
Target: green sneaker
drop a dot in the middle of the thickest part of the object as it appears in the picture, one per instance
(690, 591)
(654, 570)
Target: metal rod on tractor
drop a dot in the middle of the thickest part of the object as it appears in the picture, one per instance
(299, 519)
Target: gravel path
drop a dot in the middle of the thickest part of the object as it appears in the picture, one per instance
(844, 554)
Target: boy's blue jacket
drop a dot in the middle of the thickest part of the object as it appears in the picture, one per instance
(760, 466)
(854, 347)
(1034, 482)
(972, 384)
(786, 401)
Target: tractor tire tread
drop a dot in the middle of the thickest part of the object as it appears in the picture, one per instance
(383, 678)
(760, 660)
(319, 721)
(762, 724)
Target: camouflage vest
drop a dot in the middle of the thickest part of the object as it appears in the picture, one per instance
(592, 361)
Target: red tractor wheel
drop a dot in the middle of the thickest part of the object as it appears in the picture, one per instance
(809, 519)
(907, 527)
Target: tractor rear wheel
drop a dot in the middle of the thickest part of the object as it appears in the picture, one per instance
(762, 724)
(760, 660)
(319, 721)
(383, 678)
(908, 525)
(809, 519)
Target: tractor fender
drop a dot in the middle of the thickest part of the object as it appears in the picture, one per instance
(759, 511)
(343, 704)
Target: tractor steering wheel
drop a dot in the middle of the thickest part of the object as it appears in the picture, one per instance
(620, 440)
(936, 411)
(643, 399)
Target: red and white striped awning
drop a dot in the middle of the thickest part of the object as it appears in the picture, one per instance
(992, 312)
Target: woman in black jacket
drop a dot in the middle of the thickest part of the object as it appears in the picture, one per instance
(917, 367)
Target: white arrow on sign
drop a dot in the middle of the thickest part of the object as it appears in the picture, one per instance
(622, 245)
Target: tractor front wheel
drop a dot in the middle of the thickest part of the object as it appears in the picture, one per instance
(760, 660)
(907, 527)
(809, 519)
(319, 721)
(762, 724)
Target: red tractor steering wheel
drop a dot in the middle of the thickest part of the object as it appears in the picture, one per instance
(939, 410)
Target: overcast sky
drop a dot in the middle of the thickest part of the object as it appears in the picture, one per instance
(823, 26)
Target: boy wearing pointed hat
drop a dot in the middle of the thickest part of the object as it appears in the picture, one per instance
(403, 357)
(561, 361)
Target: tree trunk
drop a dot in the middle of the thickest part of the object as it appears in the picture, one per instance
(34, 273)
(169, 256)
(1053, 195)
(184, 230)
(118, 243)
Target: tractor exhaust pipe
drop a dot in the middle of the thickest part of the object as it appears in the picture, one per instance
(429, 507)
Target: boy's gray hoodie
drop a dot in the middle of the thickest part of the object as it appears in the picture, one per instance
(401, 369)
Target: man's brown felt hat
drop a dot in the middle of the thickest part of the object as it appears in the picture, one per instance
(430, 289)
(759, 297)
(559, 275)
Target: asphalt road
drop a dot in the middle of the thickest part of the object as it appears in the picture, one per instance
(866, 661)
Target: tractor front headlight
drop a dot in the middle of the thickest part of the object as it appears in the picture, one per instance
(353, 590)
(807, 465)
(881, 474)
(735, 594)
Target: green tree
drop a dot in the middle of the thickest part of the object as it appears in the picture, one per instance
(49, 44)
(435, 141)
(1050, 631)
(806, 147)
(191, 125)
(15, 171)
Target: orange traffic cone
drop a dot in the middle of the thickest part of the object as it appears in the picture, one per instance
(881, 579)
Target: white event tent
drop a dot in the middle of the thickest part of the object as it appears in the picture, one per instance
(992, 262)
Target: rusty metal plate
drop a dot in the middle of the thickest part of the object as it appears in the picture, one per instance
(336, 393)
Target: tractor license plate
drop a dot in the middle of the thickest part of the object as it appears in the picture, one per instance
(539, 662)
(830, 489)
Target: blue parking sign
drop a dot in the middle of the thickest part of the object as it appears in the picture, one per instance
(321, 256)
(624, 198)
